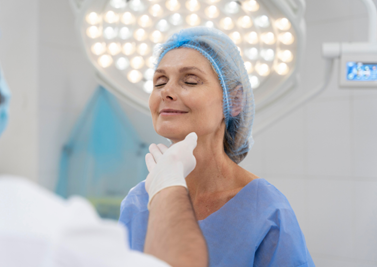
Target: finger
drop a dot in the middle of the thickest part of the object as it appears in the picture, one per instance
(191, 140)
(149, 160)
(162, 148)
(156, 152)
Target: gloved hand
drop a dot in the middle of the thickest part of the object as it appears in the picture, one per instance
(169, 166)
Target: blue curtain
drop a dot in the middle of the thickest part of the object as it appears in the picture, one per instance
(104, 157)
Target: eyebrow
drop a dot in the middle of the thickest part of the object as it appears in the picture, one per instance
(184, 69)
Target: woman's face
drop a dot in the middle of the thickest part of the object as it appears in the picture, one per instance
(187, 96)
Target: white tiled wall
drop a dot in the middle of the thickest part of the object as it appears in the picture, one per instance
(323, 157)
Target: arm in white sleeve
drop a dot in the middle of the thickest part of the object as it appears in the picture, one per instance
(40, 229)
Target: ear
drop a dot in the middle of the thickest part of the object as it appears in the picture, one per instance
(236, 96)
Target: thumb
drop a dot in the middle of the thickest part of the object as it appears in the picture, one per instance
(191, 140)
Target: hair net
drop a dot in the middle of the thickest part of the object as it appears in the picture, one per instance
(226, 60)
(4, 102)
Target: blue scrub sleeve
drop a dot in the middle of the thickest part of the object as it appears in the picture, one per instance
(284, 244)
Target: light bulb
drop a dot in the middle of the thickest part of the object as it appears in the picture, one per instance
(245, 22)
(122, 63)
(156, 10)
(262, 69)
(128, 18)
(176, 19)
(109, 33)
(93, 32)
(128, 48)
(212, 12)
(250, 5)
(285, 56)
(172, 5)
(134, 76)
(143, 49)
(232, 8)
(136, 5)
(137, 62)
(283, 24)
(268, 38)
(248, 66)
(105, 61)
(98, 48)
(145, 21)
(193, 20)
(282, 69)
(267, 54)
(212, 1)
(118, 4)
(111, 17)
(192, 5)
(148, 74)
(125, 33)
(227, 23)
(236, 37)
(162, 25)
(262, 21)
(140, 35)
(286, 38)
(251, 38)
(92, 18)
(209, 24)
(252, 53)
(113, 49)
(148, 87)
(254, 81)
(151, 61)
(156, 37)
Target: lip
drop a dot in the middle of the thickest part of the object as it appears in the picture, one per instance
(172, 112)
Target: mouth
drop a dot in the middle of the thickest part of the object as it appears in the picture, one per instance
(171, 112)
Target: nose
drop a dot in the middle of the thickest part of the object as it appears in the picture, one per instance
(168, 93)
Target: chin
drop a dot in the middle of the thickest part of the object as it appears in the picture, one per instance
(175, 134)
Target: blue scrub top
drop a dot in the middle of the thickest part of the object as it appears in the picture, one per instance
(257, 227)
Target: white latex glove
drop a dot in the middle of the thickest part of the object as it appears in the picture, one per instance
(169, 166)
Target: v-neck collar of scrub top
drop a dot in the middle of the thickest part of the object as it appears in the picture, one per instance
(232, 201)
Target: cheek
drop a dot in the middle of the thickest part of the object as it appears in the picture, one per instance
(154, 102)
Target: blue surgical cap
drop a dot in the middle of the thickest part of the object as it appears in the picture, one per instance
(226, 60)
(4, 102)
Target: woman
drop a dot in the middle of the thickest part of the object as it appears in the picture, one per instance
(201, 86)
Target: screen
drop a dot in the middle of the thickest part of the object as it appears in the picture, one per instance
(359, 71)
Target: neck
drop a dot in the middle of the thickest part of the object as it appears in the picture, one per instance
(214, 171)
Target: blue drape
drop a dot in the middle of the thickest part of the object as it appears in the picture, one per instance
(104, 157)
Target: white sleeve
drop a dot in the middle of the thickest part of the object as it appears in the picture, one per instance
(40, 229)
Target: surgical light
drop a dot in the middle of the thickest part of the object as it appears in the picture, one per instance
(148, 87)
(122, 38)
(92, 18)
(249, 67)
(105, 61)
(156, 10)
(122, 63)
(285, 56)
(251, 5)
(134, 76)
(212, 12)
(192, 5)
(283, 24)
(98, 48)
(227, 23)
(173, 5)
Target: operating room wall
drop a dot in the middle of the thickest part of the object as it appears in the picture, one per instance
(19, 60)
(323, 156)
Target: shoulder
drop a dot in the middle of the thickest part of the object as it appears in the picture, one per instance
(135, 202)
(269, 196)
